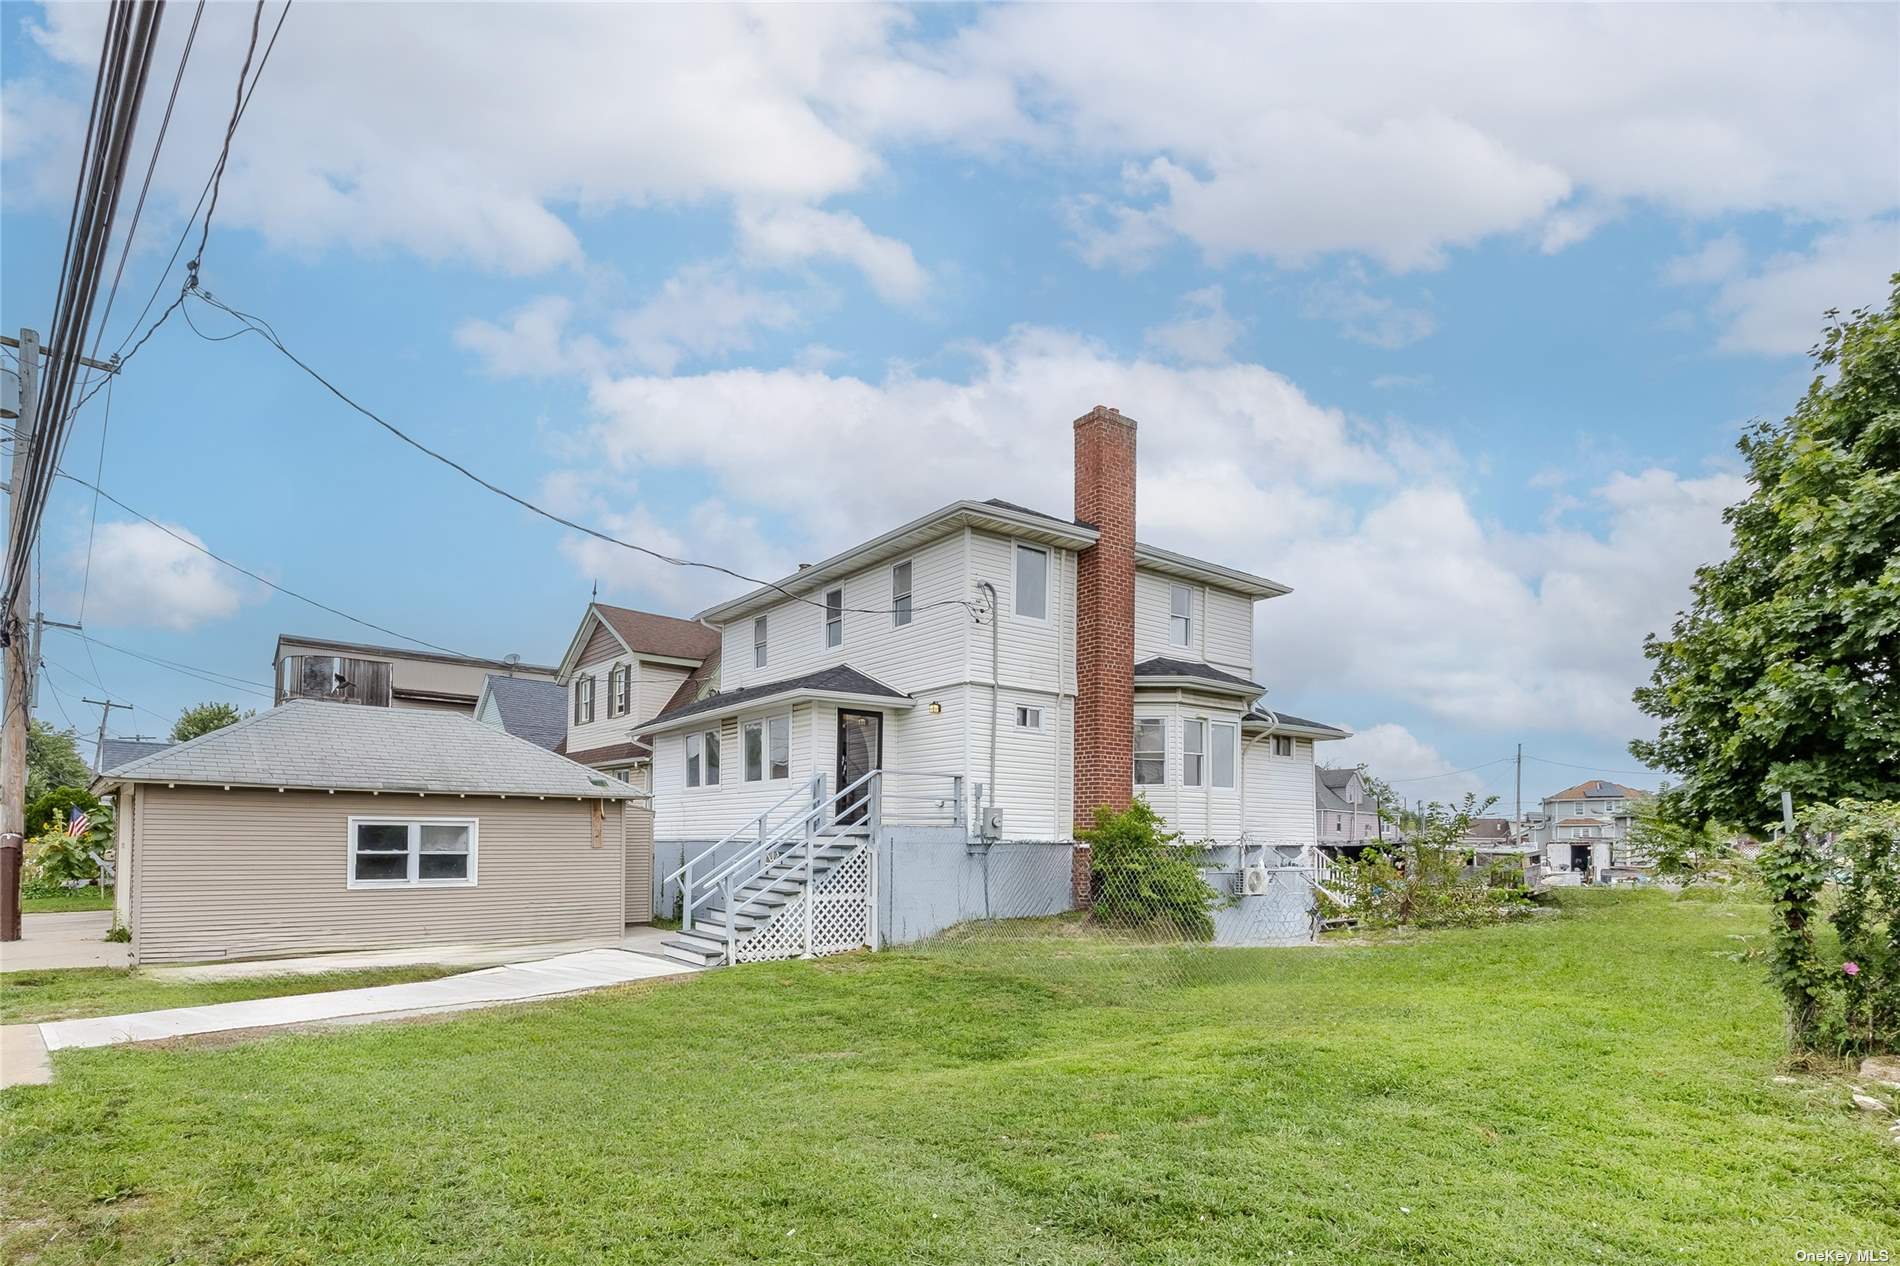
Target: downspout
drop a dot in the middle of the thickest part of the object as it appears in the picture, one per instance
(996, 703)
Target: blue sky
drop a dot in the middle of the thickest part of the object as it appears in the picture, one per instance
(1447, 318)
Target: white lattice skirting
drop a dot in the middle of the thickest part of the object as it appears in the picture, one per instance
(840, 917)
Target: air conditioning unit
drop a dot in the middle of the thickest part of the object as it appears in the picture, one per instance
(1254, 881)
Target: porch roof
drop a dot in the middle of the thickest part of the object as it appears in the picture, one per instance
(1162, 671)
(1262, 718)
(840, 684)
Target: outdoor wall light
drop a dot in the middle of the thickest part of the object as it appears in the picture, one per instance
(935, 708)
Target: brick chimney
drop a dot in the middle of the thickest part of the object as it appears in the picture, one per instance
(1104, 622)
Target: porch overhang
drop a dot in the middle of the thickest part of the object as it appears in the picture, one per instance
(1266, 721)
(843, 685)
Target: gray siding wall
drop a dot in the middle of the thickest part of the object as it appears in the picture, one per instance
(232, 874)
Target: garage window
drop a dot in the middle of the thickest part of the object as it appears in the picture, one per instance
(412, 852)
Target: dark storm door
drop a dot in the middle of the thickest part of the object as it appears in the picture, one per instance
(860, 750)
(1580, 857)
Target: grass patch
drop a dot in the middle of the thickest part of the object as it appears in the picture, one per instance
(1597, 1086)
(75, 992)
(68, 901)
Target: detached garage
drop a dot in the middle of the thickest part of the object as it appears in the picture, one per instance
(321, 827)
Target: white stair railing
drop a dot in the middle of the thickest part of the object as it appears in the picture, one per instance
(810, 794)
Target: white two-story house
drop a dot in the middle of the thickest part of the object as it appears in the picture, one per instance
(1585, 829)
(1050, 664)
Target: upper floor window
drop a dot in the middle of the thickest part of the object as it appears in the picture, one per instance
(767, 746)
(1032, 582)
(834, 617)
(620, 691)
(758, 642)
(1151, 752)
(1193, 752)
(702, 759)
(583, 699)
(900, 594)
(1282, 745)
(1180, 616)
(1225, 740)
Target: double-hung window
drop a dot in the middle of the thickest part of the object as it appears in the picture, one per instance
(620, 690)
(1282, 745)
(1032, 582)
(834, 617)
(702, 759)
(900, 594)
(1180, 616)
(412, 852)
(1224, 740)
(767, 747)
(1151, 752)
(1193, 752)
(583, 699)
(758, 642)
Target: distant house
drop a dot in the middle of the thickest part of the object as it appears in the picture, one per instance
(1585, 829)
(622, 668)
(386, 676)
(531, 708)
(310, 828)
(1345, 813)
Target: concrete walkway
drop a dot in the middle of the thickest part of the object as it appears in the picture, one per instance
(494, 986)
(64, 940)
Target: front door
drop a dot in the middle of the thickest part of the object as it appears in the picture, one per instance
(860, 750)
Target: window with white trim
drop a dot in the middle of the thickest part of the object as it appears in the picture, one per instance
(758, 642)
(1032, 582)
(412, 852)
(1028, 718)
(702, 759)
(1282, 745)
(834, 617)
(621, 701)
(1151, 752)
(583, 699)
(1180, 616)
(1193, 752)
(1223, 742)
(766, 745)
(900, 594)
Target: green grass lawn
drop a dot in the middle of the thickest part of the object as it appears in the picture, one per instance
(67, 994)
(1596, 1087)
(68, 901)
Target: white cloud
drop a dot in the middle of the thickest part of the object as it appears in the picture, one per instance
(1402, 590)
(1365, 317)
(1776, 310)
(1394, 754)
(534, 344)
(1715, 260)
(143, 577)
(1202, 334)
(790, 235)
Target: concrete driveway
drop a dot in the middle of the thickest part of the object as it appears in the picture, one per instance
(64, 940)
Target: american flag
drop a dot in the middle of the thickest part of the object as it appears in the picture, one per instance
(76, 825)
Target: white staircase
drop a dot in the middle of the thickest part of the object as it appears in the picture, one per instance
(776, 898)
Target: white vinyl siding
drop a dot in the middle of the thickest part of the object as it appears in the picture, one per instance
(1278, 804)
(1224, 739)
(1218, 623)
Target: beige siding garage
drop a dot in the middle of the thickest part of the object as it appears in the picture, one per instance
(248, 873)
(639, 841)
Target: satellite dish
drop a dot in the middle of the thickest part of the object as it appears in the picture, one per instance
(512, 660)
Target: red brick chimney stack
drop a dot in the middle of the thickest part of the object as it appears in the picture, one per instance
(1104, 622)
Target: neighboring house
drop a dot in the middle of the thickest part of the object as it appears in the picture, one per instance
(527, 707)
(308, 829)
(1346, 816)
(1586, 828)
(386, 676)
(622, 668)
(117, 752)
(1015, 669)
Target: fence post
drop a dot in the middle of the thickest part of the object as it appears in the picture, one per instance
(811, 888)
(732, 926)
(686, 893)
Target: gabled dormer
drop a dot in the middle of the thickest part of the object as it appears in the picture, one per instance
(620, 670)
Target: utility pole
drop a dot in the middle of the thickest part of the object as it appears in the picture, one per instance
(40, 625)
(1520, 786)
(105, 707)
(19, 667)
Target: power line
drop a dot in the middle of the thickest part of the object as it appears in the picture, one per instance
(269, 584)
(92, 527)
(210, 675)
(82, 678)
(258, 326)
(1593, 769)
(1451, 773)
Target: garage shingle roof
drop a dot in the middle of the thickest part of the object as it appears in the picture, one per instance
(349, 747)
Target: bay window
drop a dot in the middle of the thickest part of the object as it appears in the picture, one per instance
(1151, 752)
(1193, 752)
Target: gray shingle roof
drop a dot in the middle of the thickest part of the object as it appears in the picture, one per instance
(1273, 716)
(117, 752)
(1162, 666)
(842, 679)
(341, 746)
(530, 708)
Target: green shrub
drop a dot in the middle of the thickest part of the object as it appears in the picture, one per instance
(1856, 1000)
(1423, 882)
(54, 859)
(118, 933)
(1141, 881)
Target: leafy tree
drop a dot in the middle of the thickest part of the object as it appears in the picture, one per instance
(52, 811)
(1425, 880)
(1784, 674)
(205, 718)
(1676, 846)
(52, 761)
